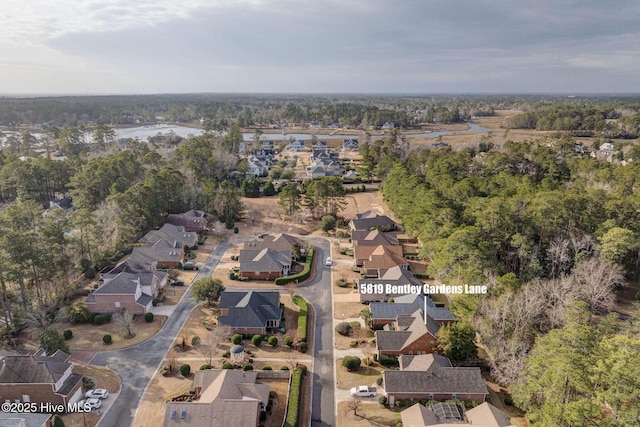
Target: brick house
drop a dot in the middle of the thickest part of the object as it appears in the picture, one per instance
(395, 276)
(39, 378)
(384, 257)
(366, 241)
(250, 312)
(483, 415)
(269, 257)
(163, 254)
(412, 335)
(192, 220)
(171, 232)
(430, 376)
(370, 220)
(133, 292)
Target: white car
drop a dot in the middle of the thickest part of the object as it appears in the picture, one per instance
(98, 393)
(90, 403)
(328, 261)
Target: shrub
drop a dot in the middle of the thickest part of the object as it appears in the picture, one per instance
(291, 419)
(247, 367)
(206, 366)
(355, 324)
(227, 365)
(273, 341)
(256, 340)
(288, 341)
(267, 368)
(343, 328)
(106, 338)
(195, 341)
(107, 317)
(236, 339)
(341, 283)
(57, 422)
(98, 320)
(185, 370)
(304, 347)
(303, 275)
(379, 381)
(235, 230)
(148, 317)
(79, 313)
(387, 360)
(87, 383)
(226, 354)
(351, 362)
(382, 400)
(302, 317)
(508, 401)
(68, 334)
(284, 368)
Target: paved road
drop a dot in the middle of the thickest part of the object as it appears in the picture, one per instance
(136, 365)
(318, 292)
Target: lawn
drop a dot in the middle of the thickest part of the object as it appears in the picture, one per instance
(363, 376)
(370, 414)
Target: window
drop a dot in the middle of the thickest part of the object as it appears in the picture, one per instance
(26, 398)
(117, 304)
(430, 396)
(454, 396)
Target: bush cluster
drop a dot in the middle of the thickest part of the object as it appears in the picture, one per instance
(344, 329)
(291, 419)
(303, 275)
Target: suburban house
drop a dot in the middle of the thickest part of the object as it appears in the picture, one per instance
(163, 254)
(39, 378)
(257, 167)
(250, 312)
(607, 149)
(350, 144)
(324, 167)
(430, 376)
(350, 176)
(370, 220)
(281, 242)
(384, 313)
(192, 221)
(384, 257)
(24, 419)
(483, 415)
(133, 292)
(365, 242)
(412, 335)
(297, 145)
(224, 398)
(136, 267)
(171, 232)
(393, 276)
(268, 146)
(264, 264)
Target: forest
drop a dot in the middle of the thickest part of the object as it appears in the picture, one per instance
(554, 235)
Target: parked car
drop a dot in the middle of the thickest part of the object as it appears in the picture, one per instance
(189, 266)
(98, 393)
(92, 403)
(177, 283)
(364, 391)
(328, 261)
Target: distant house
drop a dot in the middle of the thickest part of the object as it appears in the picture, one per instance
(350, 144)
(297, 145)
(39, 378)
(432, 377)
(224, 398)
(133, 292)
(440, 144)
(370, 220)
(171, 232)
(192, 221)
(267, 146)
(250, 312)
(607, 149)
(392, 276)
(384, 313)
(133, 266)
(324, 167)
(388, 125)
(350, 176)
(483, 415)
(412, 335)
(163, 254)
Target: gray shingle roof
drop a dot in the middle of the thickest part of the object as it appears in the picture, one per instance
(408, 304)
(36, 368)
(436, 379)
(263, 260)
(122, 283)
(250, 309)
(171, 232)
(144, 300)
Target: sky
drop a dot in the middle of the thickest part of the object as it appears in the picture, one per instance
(319, 46)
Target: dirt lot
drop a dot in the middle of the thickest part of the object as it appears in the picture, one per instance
(370, 414)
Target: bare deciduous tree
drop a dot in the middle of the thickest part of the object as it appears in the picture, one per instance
(355, 405)
(209, 345)
(596, 279)
(124, 319)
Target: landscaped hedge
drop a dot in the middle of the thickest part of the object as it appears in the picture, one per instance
(304, 275)
(294, 398)
(302, 317)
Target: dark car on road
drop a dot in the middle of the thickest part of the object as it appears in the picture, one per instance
(177, 283)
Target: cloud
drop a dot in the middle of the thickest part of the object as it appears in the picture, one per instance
(330, 45)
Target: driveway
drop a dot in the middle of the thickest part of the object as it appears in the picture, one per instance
(318, 292)
(136, 365)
